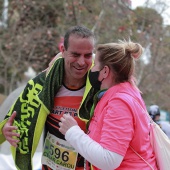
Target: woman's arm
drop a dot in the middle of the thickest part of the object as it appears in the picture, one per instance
(88, 148)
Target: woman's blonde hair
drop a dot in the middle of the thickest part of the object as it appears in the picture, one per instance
(120, 57)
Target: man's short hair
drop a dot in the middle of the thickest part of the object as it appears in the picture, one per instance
(80, 31)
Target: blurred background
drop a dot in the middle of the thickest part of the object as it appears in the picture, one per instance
(31, 32)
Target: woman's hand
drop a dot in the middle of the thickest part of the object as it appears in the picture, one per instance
(66, 123)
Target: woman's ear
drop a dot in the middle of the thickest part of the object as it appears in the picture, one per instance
(106, 71)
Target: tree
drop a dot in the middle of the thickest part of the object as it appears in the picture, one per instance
(154, 76)
(34, 29)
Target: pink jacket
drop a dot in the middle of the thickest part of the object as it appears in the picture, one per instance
(119, 122)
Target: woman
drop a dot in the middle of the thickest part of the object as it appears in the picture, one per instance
(118, 134)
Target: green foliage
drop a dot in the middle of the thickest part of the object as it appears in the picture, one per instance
(146, 18)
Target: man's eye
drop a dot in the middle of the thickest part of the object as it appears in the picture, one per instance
(76, 55)
(88, 56)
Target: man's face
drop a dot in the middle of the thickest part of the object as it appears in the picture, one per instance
(157, 117)
(78, 57)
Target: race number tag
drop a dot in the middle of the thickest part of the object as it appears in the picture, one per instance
(58, 154)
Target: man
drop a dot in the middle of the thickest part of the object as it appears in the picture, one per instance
(154, 112)
(63, 89)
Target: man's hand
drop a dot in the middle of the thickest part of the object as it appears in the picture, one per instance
(8, 131)
(66, 123)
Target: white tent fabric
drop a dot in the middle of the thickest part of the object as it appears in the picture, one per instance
(5, 106)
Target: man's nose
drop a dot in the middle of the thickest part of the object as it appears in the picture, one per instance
(81, 60)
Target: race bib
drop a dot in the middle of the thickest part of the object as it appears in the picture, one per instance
(58, 154)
